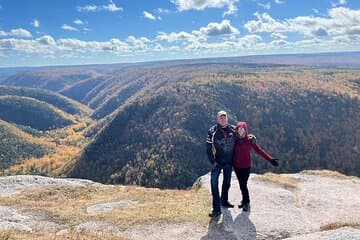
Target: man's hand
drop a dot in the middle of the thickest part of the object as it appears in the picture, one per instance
(274, 162)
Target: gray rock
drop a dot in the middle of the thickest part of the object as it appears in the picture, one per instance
(15, 184)
(279, 212)
(345, 233)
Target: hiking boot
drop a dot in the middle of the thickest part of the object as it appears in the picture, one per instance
(227, 205)
(246, 207)
(214, 214)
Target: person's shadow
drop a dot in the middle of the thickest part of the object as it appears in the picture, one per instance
(229, 229)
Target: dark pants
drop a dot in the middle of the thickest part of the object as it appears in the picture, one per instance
(242, 175)
(227, 169)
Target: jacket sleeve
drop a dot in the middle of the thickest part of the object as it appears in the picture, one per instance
(209, 147)
(259, 150)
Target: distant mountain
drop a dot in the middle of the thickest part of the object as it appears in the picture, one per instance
(157, 136)
(336, 59)
(50, 80)
(104, 88)
(13, 70)
(32, 112)
(16, 146)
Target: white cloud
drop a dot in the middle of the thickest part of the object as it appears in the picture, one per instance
(138, 44)
(26, 46)
(18, 32)
(173, 37)
(68, 28)
(342, 2)
(184, 5)
(159, 48)
(266, 6)
(162, 11)
(111, 7)
(88, 8)
(338, 21)
(279, 1)
(276, 35)
(249, 41)
(78, 22)
(71, 44)
(265, 23)
(46, 40)
(148, 15)
(48, 45)
(215, 29)
(279, 42)
(35, 23)
(338, 3)
(113, 45)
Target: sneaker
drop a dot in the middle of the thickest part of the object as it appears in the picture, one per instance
(246, 207)
(214, 214)
(227, 205)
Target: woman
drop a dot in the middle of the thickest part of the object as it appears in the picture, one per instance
(242, 162)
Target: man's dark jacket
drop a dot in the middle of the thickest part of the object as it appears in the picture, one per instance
(220, 144)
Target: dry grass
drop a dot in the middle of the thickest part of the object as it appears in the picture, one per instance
(336, 225)
(67, 205)
(73, 235)
(282, 180)
(327, 173)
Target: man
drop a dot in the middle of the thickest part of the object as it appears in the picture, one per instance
(220, 144)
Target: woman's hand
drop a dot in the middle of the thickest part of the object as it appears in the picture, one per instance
(274, 162)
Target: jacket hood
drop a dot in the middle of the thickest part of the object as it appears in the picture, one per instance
(243, 125)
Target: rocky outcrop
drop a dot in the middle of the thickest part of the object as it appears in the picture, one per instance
(287, 206)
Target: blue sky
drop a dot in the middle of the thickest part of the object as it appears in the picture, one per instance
(61, 32)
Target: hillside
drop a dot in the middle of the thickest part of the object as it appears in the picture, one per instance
(152, 118)
(308, 205)
(156, 137)
(31, 112)
(104, 88)
(65, 104)
(15, 146)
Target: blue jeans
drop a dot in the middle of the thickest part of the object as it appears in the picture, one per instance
(227, 169)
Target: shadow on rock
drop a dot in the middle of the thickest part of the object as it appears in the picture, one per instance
(243, 227)
(229, 229)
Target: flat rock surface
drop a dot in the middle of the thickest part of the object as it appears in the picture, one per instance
(295, 209)
(279, 211)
